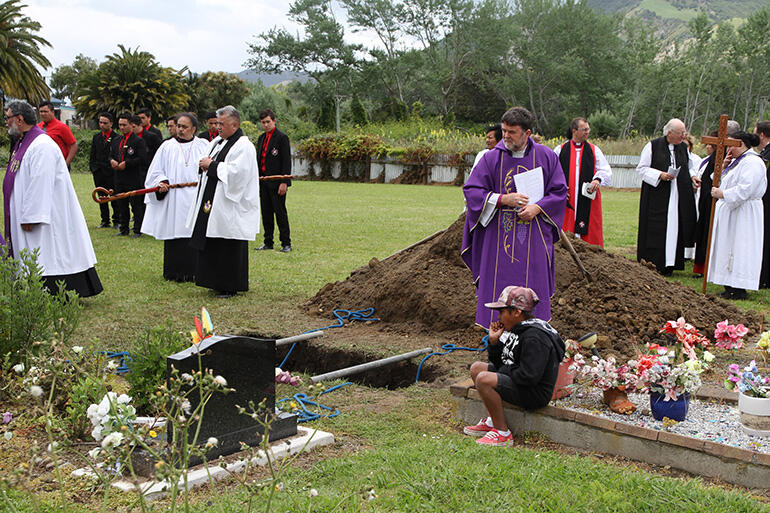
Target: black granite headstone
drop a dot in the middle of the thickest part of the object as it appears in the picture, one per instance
(248, 365)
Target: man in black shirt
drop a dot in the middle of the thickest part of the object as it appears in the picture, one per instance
(524, 355)
(104, 175)
(128, 157)
(274, 158)
(212, 132)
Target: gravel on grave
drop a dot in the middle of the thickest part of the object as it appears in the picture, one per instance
(706, 420)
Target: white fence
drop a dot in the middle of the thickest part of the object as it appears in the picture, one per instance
(390, 169)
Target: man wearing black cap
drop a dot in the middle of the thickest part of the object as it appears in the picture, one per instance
(524, 355)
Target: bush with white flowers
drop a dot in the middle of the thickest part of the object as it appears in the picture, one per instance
(108, 418)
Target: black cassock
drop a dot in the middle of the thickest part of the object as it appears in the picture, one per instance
(764, 277)
(653, 208)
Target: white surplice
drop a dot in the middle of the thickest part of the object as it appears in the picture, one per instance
(43, 195)
(235, 209)
(174, 162)
(736, 245)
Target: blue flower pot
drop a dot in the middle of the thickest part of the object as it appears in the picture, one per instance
(673, 409)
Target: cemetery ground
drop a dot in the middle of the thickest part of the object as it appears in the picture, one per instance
(398, 447)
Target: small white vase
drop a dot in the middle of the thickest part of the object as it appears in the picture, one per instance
(755, 414)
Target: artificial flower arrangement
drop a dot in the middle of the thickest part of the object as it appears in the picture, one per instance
(750, 381)
(728, 336)
(665, 370)
(605, 374)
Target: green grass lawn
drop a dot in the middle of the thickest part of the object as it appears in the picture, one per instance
(401, 443)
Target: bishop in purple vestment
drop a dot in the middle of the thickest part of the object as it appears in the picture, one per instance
(508, 239)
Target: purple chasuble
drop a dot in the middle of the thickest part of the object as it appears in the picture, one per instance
(14, 163)
(509, 251)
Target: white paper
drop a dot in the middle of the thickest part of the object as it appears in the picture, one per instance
(589, 195)
(674, 171)
(531, 184)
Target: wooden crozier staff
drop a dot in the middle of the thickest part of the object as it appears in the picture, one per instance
(720, 143)
(102, 195)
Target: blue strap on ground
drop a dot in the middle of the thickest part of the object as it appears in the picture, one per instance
(304, 400)
(449, 348)
(124, 356)
(342, 315)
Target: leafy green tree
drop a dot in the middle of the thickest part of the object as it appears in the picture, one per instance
(20, 54)
(65, 78)
(130, 80)
(358, 112)
(213, 90)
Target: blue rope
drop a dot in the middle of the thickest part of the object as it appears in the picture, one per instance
(342, 315)
(304, 400)
(123, 364)
(448, 348)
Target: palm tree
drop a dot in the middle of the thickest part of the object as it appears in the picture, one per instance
(129, 80)
(20, 54)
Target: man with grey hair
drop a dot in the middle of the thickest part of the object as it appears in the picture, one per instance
(41, 209)
(667, 203)
(225, 213)
(704, 205)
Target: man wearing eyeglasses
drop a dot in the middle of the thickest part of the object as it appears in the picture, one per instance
(41, 209)
(586, 170)
(667, 203)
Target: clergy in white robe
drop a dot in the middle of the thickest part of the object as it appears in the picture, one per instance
(736, 242)
(175, 162)
(225, 214)
(667, 203)
(41, 209)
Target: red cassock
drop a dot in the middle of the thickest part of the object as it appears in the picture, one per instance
(594, 234)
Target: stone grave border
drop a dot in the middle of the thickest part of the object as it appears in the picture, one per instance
(303, 441)
(594, 433)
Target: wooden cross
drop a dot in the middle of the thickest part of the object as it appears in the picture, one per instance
(720, 143)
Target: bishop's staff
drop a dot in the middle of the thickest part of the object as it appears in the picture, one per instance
(102, 195)
(720, 143)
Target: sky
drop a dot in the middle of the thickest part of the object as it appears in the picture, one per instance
(204, 35)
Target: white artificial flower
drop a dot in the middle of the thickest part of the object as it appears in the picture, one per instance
(18, 368)
(112, 365)
(94, 453)
(707, 356)
(663, 360)
(77, 349)
(97, 433)
(8, 435)
(219, 380)
(123, 399)
(313, 492)
(212, 442)
(113, 439)
(278, 371)
(36, 391)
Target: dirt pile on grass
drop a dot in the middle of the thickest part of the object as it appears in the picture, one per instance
(429, 286)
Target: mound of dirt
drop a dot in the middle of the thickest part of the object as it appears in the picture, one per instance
(627, 303)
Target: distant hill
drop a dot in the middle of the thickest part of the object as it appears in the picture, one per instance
(269, 79)
(671, 16)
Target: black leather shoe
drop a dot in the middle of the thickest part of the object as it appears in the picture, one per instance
(285, 249)
(122, 234)
(136, 235)
(225, 295)
(263, 247)
(740, 294)
(104, 225)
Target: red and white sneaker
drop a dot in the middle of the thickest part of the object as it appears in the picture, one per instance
(493, 437)
(479, 429)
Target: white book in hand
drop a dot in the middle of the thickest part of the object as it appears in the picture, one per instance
(589, 195)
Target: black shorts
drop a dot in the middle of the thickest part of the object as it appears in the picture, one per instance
(507, 389)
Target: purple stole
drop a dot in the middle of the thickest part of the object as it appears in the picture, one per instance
(14, 163)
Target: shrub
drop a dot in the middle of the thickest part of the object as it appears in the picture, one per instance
(604, 124)
(28, 313)
(84, 392)
(357, 146)
(148, 370)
